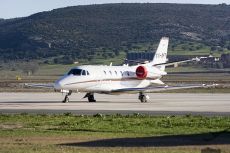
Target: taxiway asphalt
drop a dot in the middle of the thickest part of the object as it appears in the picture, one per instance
(159, 104)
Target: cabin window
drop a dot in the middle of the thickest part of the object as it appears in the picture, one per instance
(121, 73)
(83, 72)
(87, 72)
(110, 72)
(75, 72)
(116, 72)
(128, 73)
(105, 72)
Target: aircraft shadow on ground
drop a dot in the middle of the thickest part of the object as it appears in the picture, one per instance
(77, 102)
(215, 138)
(28, 102)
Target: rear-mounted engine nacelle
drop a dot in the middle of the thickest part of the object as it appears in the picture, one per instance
(141, 72)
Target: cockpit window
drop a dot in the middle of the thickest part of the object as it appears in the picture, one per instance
(75, 72)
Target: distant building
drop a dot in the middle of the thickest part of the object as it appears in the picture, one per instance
(139, 56)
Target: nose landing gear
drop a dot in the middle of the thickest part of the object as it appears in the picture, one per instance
(66, 99)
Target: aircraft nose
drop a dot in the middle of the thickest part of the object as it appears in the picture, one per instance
(61, 83)
(58, 85)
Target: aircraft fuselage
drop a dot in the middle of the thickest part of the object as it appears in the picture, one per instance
(105, 79)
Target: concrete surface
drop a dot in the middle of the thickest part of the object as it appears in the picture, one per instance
(159, 104)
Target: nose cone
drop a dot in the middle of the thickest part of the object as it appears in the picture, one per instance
(61, 83)
(58, 85)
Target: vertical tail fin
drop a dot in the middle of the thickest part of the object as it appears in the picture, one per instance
(161, 53)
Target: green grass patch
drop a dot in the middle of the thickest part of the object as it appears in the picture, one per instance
(110, 133)
(129, 124)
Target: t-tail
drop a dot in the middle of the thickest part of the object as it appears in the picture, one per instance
(161, 53)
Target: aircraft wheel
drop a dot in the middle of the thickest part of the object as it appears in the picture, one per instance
(66, 100)
(90, 99)
(143, 99)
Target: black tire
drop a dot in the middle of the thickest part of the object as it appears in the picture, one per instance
(143, 99)
(66, 100)
(91, 99)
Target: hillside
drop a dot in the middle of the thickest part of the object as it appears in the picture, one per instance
(83, 32)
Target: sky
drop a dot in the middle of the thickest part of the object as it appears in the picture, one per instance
(22, 8)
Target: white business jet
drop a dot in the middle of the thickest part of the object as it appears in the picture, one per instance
(120, 79)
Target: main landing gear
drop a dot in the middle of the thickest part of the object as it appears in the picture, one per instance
(90, 97)
(66, 99)
(143, 98)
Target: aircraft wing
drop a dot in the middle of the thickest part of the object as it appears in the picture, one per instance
(41, 85)
(163, 88)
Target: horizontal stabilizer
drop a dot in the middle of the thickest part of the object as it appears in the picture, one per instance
(179, 62)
